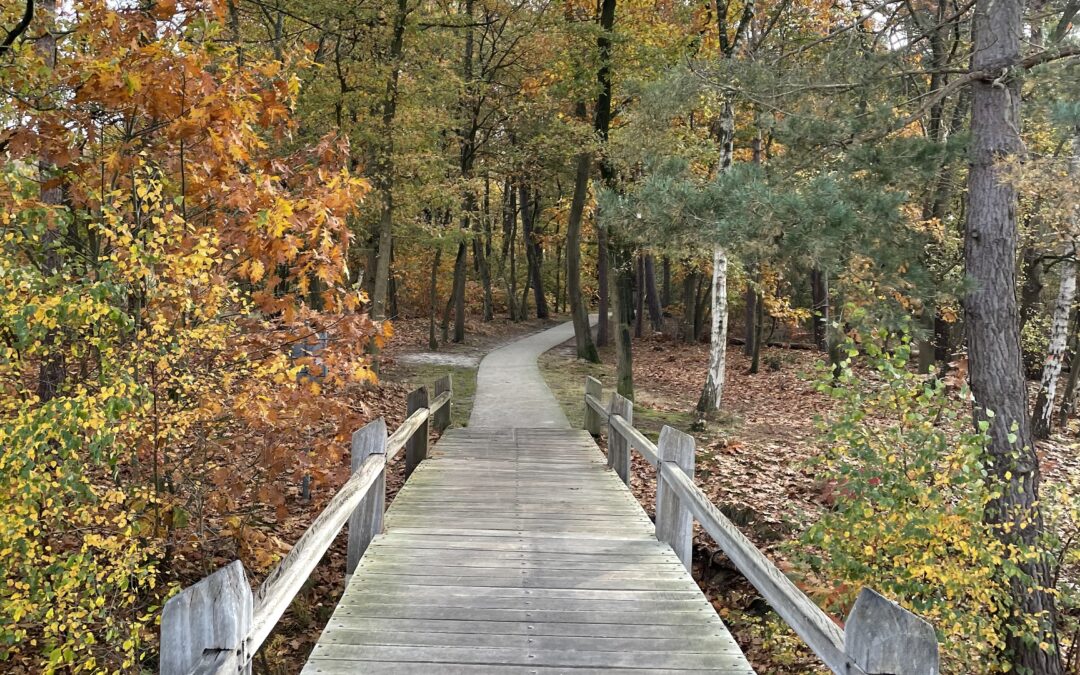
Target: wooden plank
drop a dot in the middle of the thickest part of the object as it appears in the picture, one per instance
(569, 629)
(694, 618)
(210, 617)
(530, 657)
(595, 390)
(366, 520)
(596, 404)
(609, 595)
(400, 668)
(634, 439)
(416, 447)
(440, 407)
(674, 522)
(564, 604)
(397, 440)
(618, 451)
(691, 645)
(883, 637)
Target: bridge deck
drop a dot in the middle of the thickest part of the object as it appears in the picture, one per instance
(517, 551)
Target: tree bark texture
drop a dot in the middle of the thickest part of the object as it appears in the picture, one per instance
(713, 391)
(995, 364)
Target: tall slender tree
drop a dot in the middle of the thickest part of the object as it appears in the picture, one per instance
(992, 319)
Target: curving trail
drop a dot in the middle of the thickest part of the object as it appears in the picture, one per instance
(511, 392)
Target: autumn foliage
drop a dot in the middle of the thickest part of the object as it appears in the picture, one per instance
(170, 254)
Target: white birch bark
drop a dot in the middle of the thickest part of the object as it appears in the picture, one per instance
(1059, 327)
(714, 379)
(1059, 337)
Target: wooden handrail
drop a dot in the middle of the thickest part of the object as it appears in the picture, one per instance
(807, 619)
(880, 636)
(635, 438)
(217, 625)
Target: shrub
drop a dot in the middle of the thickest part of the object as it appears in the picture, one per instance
(910, 492)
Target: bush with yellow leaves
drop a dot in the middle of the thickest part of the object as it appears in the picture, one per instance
(906, 469)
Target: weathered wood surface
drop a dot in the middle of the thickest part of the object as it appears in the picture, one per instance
(798, 611)
(204, 624)
(416, 448)
(518, 551)
(883, 637)
(366, 520)
(674, 522)
(440, 407)
(618, 447)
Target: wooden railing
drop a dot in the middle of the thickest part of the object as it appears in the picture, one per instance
(879, 637)
(217, 625)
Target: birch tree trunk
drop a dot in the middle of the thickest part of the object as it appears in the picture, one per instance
(714, 378)
(1042, 418)
(709, 402)
(1055, 352)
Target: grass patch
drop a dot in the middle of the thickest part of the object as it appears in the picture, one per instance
(463, 380)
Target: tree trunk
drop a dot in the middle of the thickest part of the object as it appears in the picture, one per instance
(1042, 418)
(995, 364)
(509, 235)
(603, 327)
(714, 378)
(656, 316)
(759, 325)
(578, 312)
(601, 125)
(529, 213)
(639, 297)
(711, 393)
(819, 287)
(624, 299)
(665, 297)
(482, 253)
(1031, 291)
(384, 166)
(434, 299)
(688, 325)
(942, 340)
(1068, 396)
(1060, 329)
(926, 339)
(461, 269)
(749, 318)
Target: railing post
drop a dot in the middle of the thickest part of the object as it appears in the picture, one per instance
(416, 447)
(618, 448)
(367, 520)
(674, 521)
(213, 615)
(593, 388)
(882, 637)
(442, 415)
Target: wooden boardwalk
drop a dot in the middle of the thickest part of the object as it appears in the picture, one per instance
(518, 551)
